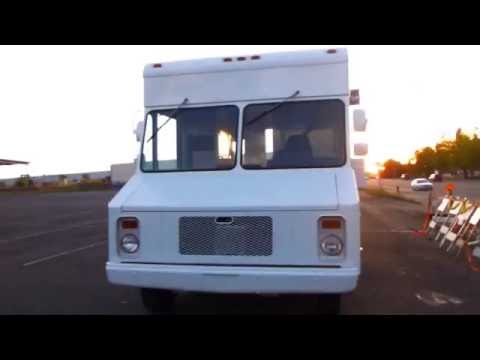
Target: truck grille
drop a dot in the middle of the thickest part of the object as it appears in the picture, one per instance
(235, 236)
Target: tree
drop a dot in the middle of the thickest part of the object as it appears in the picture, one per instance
(461, 153)
(24, 181)
(464, 156)
(409, 168)
(391, 169)
(475, 149)
(425, 161)
(444, 153)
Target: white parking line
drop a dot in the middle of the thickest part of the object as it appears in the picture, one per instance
(52, 231)
(63, 253)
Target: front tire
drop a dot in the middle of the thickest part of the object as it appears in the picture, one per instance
(158, 301)
(328, 304)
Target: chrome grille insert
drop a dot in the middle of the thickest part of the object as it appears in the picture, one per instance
(225, 235)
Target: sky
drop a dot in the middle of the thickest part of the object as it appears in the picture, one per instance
(69, 109)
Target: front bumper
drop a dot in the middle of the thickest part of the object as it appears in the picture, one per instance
(234, 279)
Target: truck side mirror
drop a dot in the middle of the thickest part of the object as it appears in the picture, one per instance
(139, 130)
(360, 149)
(359, 120)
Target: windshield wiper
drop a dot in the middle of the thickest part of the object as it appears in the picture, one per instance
(174, 112)
(273, 108)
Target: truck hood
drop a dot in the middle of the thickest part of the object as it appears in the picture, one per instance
(234, 191)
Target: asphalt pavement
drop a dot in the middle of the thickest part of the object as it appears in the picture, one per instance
(53, 252)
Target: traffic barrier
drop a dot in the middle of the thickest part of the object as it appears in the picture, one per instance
(424, 230)
(449, 221)
(439, 216)
(471, 242)
(455, 226)
(469, 232)
(458, 227)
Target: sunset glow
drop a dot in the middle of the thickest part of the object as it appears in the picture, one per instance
(413, 96)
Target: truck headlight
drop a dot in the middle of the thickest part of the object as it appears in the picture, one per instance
(331, 235)
(331, 245)
(130, 243)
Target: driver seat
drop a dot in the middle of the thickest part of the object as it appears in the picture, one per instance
(297, 151)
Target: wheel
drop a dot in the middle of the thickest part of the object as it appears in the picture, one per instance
(328, 304)
(158, 301)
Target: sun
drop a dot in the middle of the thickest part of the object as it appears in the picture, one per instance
(372, 167)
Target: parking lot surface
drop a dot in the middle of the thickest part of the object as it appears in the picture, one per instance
(53, 252)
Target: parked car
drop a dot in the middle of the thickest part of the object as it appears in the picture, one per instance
(435, 177)
(405, 177)
(421, 185)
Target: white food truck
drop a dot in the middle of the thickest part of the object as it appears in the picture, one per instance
(244, 182)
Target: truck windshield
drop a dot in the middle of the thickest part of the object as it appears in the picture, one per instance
(300, 134)
(195, 139)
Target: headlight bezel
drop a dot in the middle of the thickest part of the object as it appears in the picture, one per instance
(327, 241)
(333, 228)
(129, 239)
(128, 232)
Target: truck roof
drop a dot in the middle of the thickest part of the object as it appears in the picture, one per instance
(315, 73)
(246, 62)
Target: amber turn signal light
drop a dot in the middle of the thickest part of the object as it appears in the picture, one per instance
(331, 224)
(130, 223)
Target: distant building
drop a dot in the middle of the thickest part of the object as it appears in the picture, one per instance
(121, 173)
(56, 179)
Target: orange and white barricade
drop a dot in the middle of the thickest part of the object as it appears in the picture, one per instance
(460, 225)
(439, 217)
(450, 220)
(471, 241)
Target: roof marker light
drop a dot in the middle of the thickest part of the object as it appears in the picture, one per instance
(255, 57)
(157, 65)
(227, 59)
(331, 51)
(241, 58)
